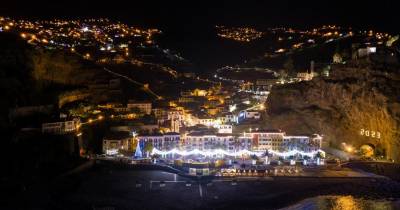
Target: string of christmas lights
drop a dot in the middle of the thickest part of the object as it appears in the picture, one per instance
(237, 153)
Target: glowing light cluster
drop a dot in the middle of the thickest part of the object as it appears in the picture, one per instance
(111, 151)
(237, 153)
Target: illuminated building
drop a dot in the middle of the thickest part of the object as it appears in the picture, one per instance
(165, 141)
(243, 115)
(207, 121)
(208, 141)
(303, 143)
(224, 128)
(116, 142)
(307, 76)
(186, 100)
(278, 141)
(231, 118)
(62, 127)
(144, 107)
(265, 140)
(175, 114)
(199, 92)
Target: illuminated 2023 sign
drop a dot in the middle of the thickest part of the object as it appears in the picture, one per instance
(370, 133)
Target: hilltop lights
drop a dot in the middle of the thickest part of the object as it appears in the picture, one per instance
(237, 153)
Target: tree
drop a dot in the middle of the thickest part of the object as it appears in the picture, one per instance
(289, 66)
(148, 146)
(319, 155)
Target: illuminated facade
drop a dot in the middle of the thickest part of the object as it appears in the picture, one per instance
(203, 141)
(265, 140)
(206, 121)
(278, 141)
(303, 143)
(243, 115)
(224, 128)
(142, 106)
(165, 141)
(117, 141)
(61, 127)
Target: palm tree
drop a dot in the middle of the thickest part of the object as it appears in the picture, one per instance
(148, 147)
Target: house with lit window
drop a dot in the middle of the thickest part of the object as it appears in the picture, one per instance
(117, 142)
(166, 141)
(263, 140)
(277, 140)
(61, 127)
(206, 141)
(144, 107)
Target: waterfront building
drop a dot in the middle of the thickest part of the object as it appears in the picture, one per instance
(160, 141)
(206, 141)
(116, 142)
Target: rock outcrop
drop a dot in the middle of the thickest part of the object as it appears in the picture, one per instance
(357, 105)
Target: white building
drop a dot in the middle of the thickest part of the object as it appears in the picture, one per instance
(249, 115)
(209, 141)
(175, 115)
(224, 128)
(61, 127)
(265, 140)
(304, 143)
(231, 118)
(278, 141)
(206, 121)
(165, 141)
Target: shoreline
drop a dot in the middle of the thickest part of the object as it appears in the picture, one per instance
(103, 185)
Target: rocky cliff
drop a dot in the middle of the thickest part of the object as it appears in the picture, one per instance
(355, 104)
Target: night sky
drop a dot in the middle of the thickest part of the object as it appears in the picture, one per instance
(197, 13)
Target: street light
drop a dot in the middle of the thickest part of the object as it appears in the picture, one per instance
(349, 149)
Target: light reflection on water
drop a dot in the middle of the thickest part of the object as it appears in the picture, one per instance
(344, 203)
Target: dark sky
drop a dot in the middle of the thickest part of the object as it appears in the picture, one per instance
(380, 14)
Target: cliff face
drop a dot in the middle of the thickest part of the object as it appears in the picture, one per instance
(356, 105)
